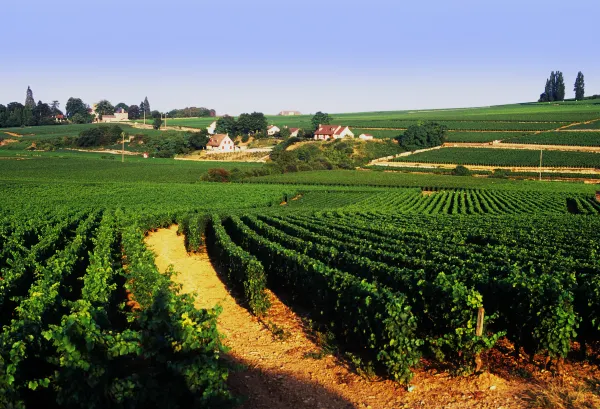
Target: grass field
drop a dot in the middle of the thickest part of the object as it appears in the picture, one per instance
(559, 138)
(505, 157)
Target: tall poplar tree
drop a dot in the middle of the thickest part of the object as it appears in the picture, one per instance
(579, 86)
(559, 90)
(29, 101)
(146, 106)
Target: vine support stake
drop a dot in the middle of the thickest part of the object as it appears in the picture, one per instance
(480, 316)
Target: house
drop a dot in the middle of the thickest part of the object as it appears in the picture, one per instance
(325, 132)
(272, 130)
(212, 127)
(294, 132)
(365, 137)
(289, 113)
(221, 143)
(59, 118)
(120, 115)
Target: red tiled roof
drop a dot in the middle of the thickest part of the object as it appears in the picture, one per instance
(292, 130)
(330, 130)
(216, 140)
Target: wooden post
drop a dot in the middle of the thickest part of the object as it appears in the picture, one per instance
(479, 328)
(479, 333)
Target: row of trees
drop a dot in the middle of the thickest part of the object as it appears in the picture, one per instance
(192, 112)
(555, 87)
(246, 124)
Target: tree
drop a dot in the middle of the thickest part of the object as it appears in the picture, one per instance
(105, 108)
(123, 106)
(253, 123)
(145, 106)
(76, 106)
(54, 106)
(321, 118)
(81, 119)
(579, 86)
(226, 125)
(559, 93)
(284, 132)
(197, 140)
(423, 135)
(134, 112)
(42, 114)
(157, 123)
(29, 101)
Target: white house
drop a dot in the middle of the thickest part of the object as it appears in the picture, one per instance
(272, 130)
(289, 113)
(294, 132)
(221, 143)
(211, 128)
(325, 132)
(120, 116)
(365, 136)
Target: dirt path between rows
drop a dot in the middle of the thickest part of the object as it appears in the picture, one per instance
(278, 373)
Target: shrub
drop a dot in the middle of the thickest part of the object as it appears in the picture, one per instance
(217, 175)
(461, 171)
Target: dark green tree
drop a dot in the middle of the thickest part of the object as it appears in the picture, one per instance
(134, 112)
(423, 135)
(552, 95)
(76, 106)
(197, 140)
(54, 106)
(157, 123)
(122, 105)
(320, 118)
(253, 123)
(105, 108)
(145, 106)
(559, 93)
(29, 101)
(226, 124)
(579, 86)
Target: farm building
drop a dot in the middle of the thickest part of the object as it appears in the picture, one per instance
(365, 136)
(325, 132)
(272, 130)
(220, 142)
(294, 132)
(119, 116)
(289, 113)
(212, 127)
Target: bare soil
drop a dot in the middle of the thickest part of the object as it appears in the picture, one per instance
(280, 365)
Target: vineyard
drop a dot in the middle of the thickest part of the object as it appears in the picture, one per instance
(480, 137)
(418, 292)
(559, 138)
(505, 157)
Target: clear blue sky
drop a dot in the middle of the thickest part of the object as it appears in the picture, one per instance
(334, 56)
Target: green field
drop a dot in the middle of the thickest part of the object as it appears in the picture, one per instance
(559, 138)
(505, 157)
(593, 125)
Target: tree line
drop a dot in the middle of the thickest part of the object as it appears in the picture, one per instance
(555, 87)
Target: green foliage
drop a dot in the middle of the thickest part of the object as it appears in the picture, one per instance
(105, 108)
(320, 118)
(99, 136)
(76, 106)
(242, 270)
(226, 125)
(579, 86)
(461, 171)
(506, 157)
(254, 123)
(217, 175)
(157, 123)
(425, 135)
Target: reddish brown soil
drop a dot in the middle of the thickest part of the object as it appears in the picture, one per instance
(280, 365)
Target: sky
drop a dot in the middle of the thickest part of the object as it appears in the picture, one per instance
(268, 56)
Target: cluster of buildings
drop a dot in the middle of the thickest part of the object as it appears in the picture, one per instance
(120, 115)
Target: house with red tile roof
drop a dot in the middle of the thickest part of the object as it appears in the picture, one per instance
(272, 130)
(221, 143)
(294, 132)
(325, 132)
